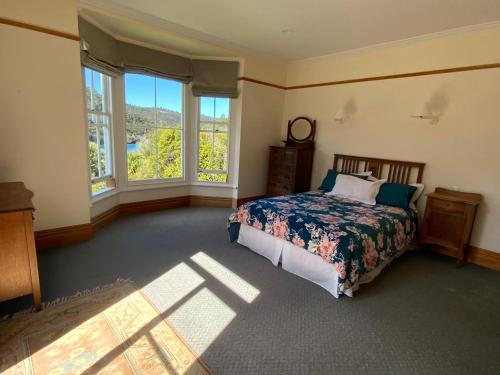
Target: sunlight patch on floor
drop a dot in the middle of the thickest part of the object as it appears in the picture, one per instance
(174, 284)
(242, 288)
(202, 318)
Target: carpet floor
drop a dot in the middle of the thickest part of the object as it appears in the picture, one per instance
(244, 316)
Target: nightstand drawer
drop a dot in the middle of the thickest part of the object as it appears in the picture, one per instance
(447, 206)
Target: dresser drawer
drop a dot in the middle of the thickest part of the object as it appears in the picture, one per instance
(279, 187)
(284, 173)
(447, 206)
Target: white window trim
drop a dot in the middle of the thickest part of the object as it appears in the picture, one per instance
(107, 94)
(154, 183)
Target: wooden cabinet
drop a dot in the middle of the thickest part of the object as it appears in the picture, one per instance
(448, 220)
(290, 169)
(18, 263)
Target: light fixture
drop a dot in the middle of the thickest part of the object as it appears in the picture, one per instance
(423, 112)
(340, 115)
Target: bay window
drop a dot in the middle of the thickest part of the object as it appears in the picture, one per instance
(154, 128)
(213, 139)
(99, 121)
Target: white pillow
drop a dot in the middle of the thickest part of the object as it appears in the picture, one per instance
(416, 195)
(356, 189)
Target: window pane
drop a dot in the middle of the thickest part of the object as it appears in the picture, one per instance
(103, 154)
(222, 127)
(169, 153)
(205, 151)
(98, 187)
(212, 177)
(219, 160)
(99, 129)
(141, 157)
(206, 126)
(154, 127)
(93, 152)
(169, 103)
(222, 109)
(97, 119)
(207, 109)
(97, 92)
(213, 139)
(88, 78)
(140, 90)
(213, 151)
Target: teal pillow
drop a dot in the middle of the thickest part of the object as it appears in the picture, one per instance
(397, 195)
(330, 178)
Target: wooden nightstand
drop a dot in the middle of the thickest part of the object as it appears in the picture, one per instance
(448, 219)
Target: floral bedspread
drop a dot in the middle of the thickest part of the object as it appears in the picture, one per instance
(354, 237)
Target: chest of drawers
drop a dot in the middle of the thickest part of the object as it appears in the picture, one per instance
(18, 262)
(290, 170)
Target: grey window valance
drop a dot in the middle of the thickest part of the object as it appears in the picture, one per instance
(137, 59)
(215, 78)
(99, 51)
(103, 53)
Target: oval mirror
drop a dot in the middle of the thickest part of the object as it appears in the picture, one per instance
(301, 129)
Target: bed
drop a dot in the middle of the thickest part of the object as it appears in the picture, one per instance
(333, 241)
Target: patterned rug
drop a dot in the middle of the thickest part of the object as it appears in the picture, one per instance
(112, 331)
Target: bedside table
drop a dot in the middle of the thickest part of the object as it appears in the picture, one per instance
(448, 219)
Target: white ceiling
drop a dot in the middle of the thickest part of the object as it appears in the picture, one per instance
(298, 29)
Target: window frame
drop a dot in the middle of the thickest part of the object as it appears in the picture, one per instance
(197, 169)
(107, 112)
(157, 182)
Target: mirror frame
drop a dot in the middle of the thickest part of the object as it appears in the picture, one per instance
(309, 138)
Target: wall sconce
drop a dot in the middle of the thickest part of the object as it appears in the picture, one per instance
(423, 112)
(340, 115)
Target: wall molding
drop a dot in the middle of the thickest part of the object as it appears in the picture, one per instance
(248, 79)
(40, 29)
(475, 255)
(378, 78)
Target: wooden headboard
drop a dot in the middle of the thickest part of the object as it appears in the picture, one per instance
(402, 172)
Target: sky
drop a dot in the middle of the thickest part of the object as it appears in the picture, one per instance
(140, 91)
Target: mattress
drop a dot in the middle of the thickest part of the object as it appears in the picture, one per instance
(312, 233)
(306, 265)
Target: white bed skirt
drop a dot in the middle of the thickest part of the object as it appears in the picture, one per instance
(300, 262)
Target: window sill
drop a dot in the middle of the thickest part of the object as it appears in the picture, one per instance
(213, 184)
(104, 194)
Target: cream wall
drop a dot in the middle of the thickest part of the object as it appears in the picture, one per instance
(470, 48)
(42, 116)
(460, 150)
(260, 118)
(265, 70)
(60, 15)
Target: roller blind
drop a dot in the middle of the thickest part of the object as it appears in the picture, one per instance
(215, 78)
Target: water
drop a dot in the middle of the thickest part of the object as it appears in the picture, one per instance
(132, 147)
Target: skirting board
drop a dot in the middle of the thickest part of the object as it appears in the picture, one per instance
(476, 255)
(78, 233)
(56, 237)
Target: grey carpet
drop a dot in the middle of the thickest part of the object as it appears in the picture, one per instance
(244, 316)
